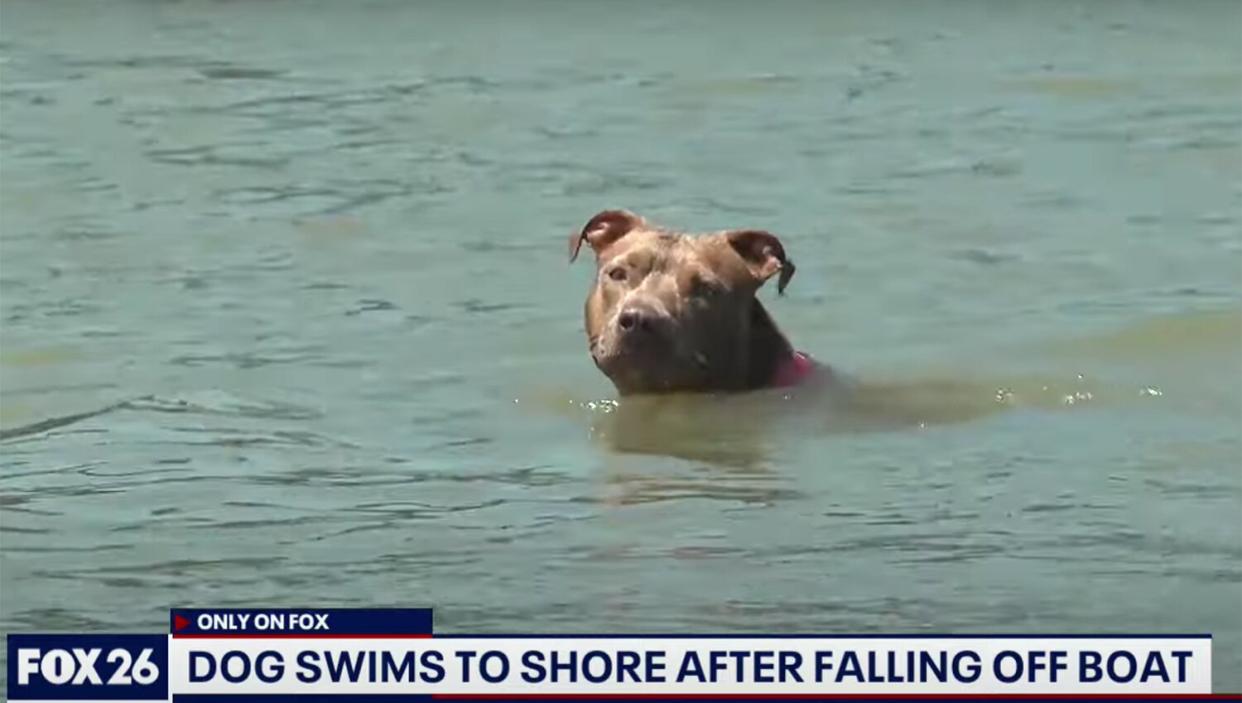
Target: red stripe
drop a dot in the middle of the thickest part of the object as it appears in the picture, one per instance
(293, 636)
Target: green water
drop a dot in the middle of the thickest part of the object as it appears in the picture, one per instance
(286, 317)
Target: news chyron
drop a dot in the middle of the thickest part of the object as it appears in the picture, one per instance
(275, 654)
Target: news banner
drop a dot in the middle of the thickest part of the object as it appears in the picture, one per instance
(269, 655)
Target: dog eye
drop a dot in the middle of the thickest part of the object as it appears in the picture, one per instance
(700, 288)
(616, 273)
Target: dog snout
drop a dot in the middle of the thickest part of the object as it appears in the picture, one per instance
(640, 320)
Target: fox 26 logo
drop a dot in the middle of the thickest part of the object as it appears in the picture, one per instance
(87, 667)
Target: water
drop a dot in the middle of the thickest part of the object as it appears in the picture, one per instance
(287, 317)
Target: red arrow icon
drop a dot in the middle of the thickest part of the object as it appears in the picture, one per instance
(180, 623)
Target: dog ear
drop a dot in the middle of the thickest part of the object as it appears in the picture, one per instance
(763, 254)
(602, 230)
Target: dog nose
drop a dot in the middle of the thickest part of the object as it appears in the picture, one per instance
(629, 319)
(637, 319)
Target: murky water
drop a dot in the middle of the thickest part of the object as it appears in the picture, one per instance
(287, 320)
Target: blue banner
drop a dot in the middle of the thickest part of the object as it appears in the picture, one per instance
(300, 622)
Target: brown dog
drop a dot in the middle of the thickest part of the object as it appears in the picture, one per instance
(674, 312)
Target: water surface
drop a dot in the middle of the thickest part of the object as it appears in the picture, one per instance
(287, 317)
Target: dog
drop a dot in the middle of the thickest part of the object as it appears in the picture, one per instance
(675, 312)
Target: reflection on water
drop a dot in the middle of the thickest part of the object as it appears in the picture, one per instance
(285, 316)
(1172, 339)
(735, 430)
(735, 440)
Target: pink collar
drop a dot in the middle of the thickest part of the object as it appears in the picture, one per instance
(793, 371)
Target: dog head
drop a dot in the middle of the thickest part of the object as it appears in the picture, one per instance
(670, 311)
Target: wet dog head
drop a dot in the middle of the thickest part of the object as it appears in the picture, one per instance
(676, 312)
